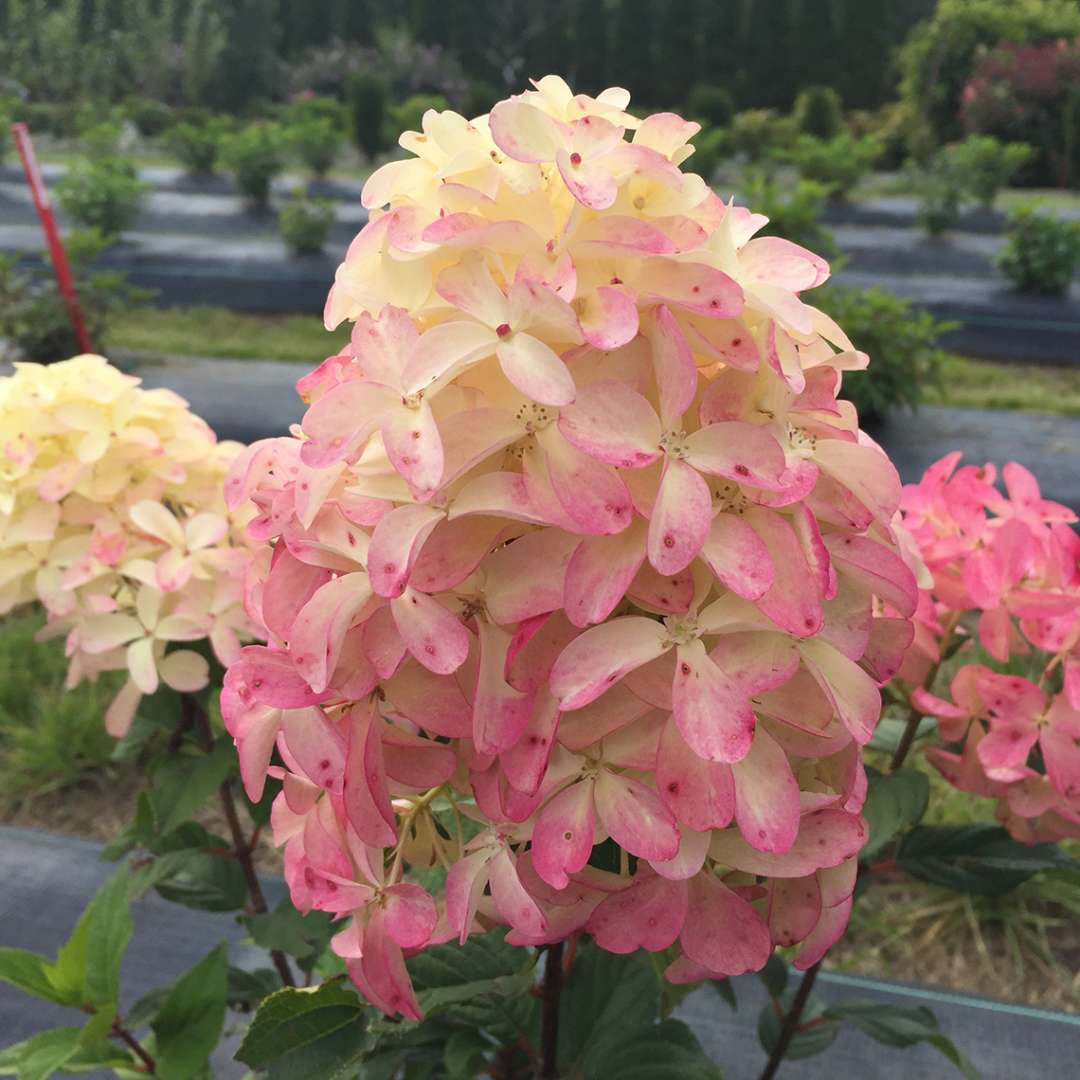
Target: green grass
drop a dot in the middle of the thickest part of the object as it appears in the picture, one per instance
(49, 736)
(984, 384)
(213, 331)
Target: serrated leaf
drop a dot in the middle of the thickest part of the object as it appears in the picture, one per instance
(465, 1053)
(981, 859)
(197, 879)
(816, 1031)
(188, 1024)
(245, 989)
(607, 999)
(295, 1018)
(665, 1051)
(183, 782)
(895, 802)
(29, 973)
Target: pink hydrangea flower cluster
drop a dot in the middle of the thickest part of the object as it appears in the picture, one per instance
(112, 516)
(576, 551)
(1006, 570)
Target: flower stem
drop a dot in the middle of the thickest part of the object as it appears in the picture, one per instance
(549, 1020)
(128, 1039)
(791, 1022)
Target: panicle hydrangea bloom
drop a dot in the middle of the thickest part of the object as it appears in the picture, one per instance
(112, 515)
(1006, 570)
(576, 551)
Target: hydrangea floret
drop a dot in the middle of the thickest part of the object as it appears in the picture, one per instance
(1006, 584)
(112, 516)
(582, 580)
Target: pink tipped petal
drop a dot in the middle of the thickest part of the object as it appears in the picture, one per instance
(713, 714)
(878, 569)
(469, 287)
(500, 713)
(589, 182)
(367, 801)
(794, 909)
(612, 423)
(340, 423)
(865, 471)
(745, 453)
(766, 796)
(415, 448)
(524, 132)
(693, 286)
(738, 556)
(599, 573)
(431, 633)
(676, 374)
(700, 793)
(536, 370)
(602, 655)
(609, 317)
(793, 600)
(681, 517)
(410, 915)
(512, 901)
(591, 493)
(562, 838)
(396, 544)
(826, 934)
(635, 817)
(319, 630)
(782, 263)
(722, 931)
(648, 915)
(464, 887)
(444, 350)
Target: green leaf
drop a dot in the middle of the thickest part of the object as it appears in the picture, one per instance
(138, 831)
(98, 1027)
(188, 1024)
(774, 975)
(894, 803)
(28, 972)
(726, 991)
(900, 1027)
(609, 999)
(245, 989)
(190, 869)
(664, 1051)
(293, 1019)
(302, 936)
(42, 1055)
(815, 1034)
(182, 783)
(465, 1053)
(890, 730)
(980, 859)
(483, 984)
(110, 930)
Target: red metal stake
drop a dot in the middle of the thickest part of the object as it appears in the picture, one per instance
(64, 280)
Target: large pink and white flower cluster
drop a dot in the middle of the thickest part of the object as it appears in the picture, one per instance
(112, 516)
(575, 552)
(1006, 571)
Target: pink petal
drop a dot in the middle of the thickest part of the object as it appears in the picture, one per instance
(535, 369)
(648, 915)
(794, 909)
(766, 796)
(782, 263)
(415, 448)
(512, 901)
(432, 634)
(713, 714)
(609, 317)
(319, 630)
(745, 453)
(722, 931)
(366, 798)
(464, 887)
(453, 551)
(878, 569)
(340, 423)
(676, 373)
(599, 573)
(396, 544)
(693, 286)
(525, 578)
(429, 701)
(524, 132)
(681, 517)
(613, 423)
(416, 762)
(591, 493)
(410, 915)
(500, 713)
(604, 654)
(635, 817)
(865, 471)
(700, 793)
(384, 968)
(588, 181)
(562, 838)
(470, 288)
(526, 762)
(738, 556)
(792, 601)
(273, 680)
(826, 934)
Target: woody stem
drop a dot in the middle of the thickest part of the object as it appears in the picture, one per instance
(551, 992)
